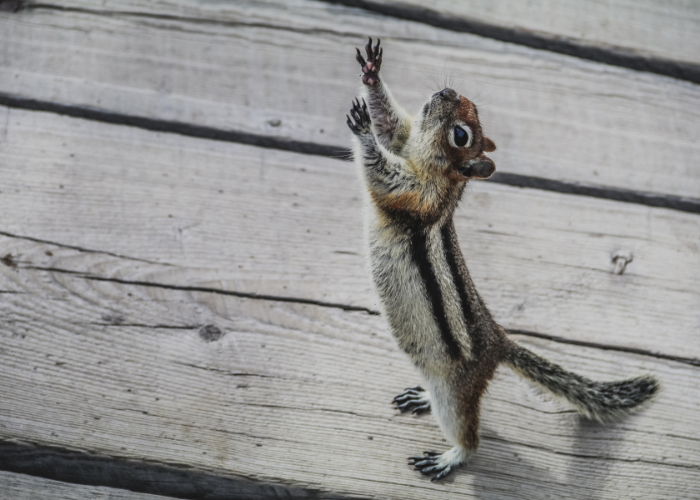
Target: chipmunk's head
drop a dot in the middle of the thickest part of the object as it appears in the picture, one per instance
(449, 132)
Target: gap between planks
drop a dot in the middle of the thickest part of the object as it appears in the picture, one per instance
(522, 265)
(615, 56)
(658, 200)
(343, 307)
(596, 119)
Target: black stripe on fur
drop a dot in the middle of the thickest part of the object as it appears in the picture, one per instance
(452, 250)
(419, 247)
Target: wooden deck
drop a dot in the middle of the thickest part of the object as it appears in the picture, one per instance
(185, 309)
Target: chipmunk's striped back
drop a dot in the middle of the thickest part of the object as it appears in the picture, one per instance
(416, 285)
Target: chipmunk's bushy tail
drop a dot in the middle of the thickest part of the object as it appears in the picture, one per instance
(596, 400)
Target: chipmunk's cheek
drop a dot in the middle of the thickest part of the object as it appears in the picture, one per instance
(481, 169)
(484, 169)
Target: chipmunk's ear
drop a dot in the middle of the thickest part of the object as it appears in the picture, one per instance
(478, 168)
(487, 145)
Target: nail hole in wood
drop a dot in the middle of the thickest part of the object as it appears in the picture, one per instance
(620, 259)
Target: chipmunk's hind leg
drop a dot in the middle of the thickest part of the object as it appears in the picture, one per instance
(455, 404)
(415, 399)
(432, 462)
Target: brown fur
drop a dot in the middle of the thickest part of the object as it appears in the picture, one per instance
(487, 145)
(466, 112)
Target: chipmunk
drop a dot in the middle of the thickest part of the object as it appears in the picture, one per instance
(415, 170)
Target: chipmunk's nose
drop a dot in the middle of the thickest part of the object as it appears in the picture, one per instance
(448, 94)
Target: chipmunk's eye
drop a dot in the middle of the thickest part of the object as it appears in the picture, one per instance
(461, 137)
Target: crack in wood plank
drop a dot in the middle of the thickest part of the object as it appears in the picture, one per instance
(143, 325)
(229, 373)
(78, 248)
(344, 307)
(244, 295)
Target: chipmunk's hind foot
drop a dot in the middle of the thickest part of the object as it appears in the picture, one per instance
(360, 115)
(442, 463)
(415, 399)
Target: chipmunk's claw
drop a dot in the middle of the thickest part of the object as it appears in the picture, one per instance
(415, 399)
(360, 122)
(359, 58)
(430, 463)
(441, 463)
(370, 67)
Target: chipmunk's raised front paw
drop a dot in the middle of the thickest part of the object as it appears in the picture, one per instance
(442, 463)
(415, 399)
(360, 114)
(370, 68)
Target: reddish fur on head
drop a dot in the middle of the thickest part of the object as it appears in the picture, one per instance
(487, 145)
(469, 162)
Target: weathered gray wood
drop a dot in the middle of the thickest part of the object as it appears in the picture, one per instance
(252, 220)
(658, 29)
(287, 70)
(284, 393)
(298, 395)
(23, 487)
(116, 243)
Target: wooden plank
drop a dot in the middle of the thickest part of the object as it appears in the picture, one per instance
(250, 220)
(23, 487)
(287, 71)
(665, 30)
(297, 395)
(140, 477)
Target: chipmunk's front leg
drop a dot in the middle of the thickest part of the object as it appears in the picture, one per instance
(392, 125)
(384, 171)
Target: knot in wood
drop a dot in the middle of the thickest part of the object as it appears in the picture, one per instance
(210, 333)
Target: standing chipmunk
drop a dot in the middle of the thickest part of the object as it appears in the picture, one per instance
(415, 170)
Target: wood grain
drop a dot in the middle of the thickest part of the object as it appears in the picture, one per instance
(23, 487)
(200, 311)
(287, 70)
(297, 395)
(197, 213)
(665, 30)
